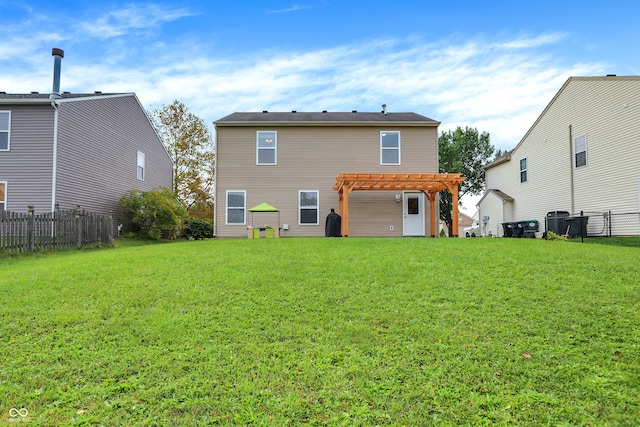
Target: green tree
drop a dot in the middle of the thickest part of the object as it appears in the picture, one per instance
(499, 153)
(153, 213)
(190, 145)
(463, 151)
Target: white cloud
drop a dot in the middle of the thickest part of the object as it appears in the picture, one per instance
(535, 41)
(499, 86)
(293, 8)
(131, 18)
(499, 91)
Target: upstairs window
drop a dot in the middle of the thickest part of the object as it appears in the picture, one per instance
(523, 170)
(3, 196)
(5, 128)
(267, 148)
(389, 147)
(580, 150)
(308, 212)
(140, 166)
(236, 207)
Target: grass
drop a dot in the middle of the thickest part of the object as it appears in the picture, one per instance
(323, 332)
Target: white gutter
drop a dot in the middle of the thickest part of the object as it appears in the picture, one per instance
(54, 177)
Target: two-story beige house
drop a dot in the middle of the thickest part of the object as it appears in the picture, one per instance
(580, 155)
(379, 171)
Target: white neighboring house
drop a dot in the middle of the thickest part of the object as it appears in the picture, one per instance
(581, 154)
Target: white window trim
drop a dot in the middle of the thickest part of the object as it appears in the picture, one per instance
(226, 212)
(8, 132)
(275, 148)
(390, 148)
(140, 157)
(4, 202)
(525, 170)
(586, 151)
(317, 207)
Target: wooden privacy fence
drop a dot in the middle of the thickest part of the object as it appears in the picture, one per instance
(26, 232)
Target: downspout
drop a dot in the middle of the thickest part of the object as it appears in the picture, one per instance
(54, 104)
(571, 170)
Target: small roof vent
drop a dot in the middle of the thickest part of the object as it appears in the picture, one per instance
(34, 92)
(354, 111)
(324, 111)
(98, 92)
(611, 75)
(293, 111)
(264, 111)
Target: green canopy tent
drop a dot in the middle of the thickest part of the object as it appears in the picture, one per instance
(265, 207)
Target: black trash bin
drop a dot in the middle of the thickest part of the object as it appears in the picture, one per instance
(529, 228)
(576, 225)
(518, 230)
(555, 222)
(507, 227)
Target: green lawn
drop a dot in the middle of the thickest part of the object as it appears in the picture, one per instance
(318, 331)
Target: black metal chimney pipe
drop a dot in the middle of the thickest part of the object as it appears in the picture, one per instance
(57, 54)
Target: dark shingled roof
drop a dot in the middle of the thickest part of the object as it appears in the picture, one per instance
(324, 118)
(502, 195)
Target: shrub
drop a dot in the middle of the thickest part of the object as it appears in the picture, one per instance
(197, 229)
(553, 236)
(153, 213)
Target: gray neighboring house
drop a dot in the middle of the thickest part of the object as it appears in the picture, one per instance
(77, 149)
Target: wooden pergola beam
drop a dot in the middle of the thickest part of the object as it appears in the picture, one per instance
(428, 183)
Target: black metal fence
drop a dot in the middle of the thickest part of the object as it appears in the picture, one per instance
(595, 224)
(26, 232)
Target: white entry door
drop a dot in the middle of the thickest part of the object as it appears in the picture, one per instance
(413, 214)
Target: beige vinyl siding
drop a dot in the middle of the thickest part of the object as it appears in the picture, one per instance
(310, 158)
(548, 154)
(98, 142)
(613, 144)
(498, 210)
(28, 166)
(608, 112)
(371, 213)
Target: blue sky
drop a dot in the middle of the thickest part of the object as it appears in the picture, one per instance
(493, 65)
